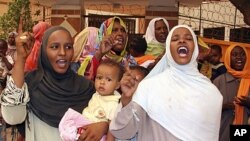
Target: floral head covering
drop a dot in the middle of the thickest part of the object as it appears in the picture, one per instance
(85, 43)
(106, 29)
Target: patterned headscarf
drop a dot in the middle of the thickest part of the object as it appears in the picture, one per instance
(88, 36)
(106, 29)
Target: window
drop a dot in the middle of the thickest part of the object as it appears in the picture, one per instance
(96, 21)
(214, 33)
(240, 35)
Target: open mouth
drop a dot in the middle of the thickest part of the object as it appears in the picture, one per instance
(61, 63)
(101, 89)
(118, 41)
(239, 63)
(182, 51)
(163, 36)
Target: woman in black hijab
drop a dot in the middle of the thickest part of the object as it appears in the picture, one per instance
(45, 94)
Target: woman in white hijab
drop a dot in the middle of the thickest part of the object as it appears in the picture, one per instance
(175, 102)
(156, 34)
(12, 44)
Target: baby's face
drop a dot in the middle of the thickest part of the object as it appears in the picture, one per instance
(107, 80)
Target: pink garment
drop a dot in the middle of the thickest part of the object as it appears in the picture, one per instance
(69, 124)
(38, 31)
(90, 47)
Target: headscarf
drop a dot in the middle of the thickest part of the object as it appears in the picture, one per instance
(51, 93)
(155, 48)
(12, 48)
(150, 32)
(85, 46)
(88, 36)
(15, 34)
(244, 83)
(38, 31)
(180, 98)
(204, 50)
(106, 29)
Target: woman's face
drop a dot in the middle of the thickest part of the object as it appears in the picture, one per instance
(60, 50)
(238, 58)
(161, 31)
(120, 36)
(182, 45)
(11, 40)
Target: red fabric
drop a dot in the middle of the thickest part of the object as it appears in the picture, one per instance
(31, 61)
(90, 72)
(38, 31)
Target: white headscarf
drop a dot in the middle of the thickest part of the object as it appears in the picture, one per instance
(150, 33)
(180, 98)
(15, 34)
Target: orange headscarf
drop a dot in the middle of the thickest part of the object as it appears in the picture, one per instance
(244, 83)
(38, 30)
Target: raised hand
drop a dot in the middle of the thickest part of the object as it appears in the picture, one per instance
(24, 44)
(129, 84)
(107, 43)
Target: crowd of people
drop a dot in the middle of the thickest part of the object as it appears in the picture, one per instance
(106, 85)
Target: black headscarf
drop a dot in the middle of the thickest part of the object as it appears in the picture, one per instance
(51, 93)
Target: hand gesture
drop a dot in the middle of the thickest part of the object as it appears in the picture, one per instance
(243, 101)
(129, 84)
(107, 43)
(24, 42)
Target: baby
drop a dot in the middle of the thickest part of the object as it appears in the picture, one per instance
(102, 105)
